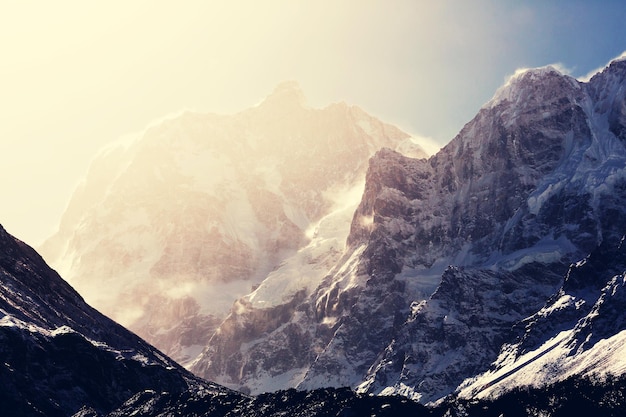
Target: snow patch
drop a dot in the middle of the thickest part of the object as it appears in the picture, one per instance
(403, 390)
(265, 382)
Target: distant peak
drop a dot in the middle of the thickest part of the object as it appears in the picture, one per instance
(287, 86)
(287, 92)
(618, 61)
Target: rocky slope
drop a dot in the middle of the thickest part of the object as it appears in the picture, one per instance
(170, 228)
(60, 355)
(447, 256)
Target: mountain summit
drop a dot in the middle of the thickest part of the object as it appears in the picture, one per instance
(167, 231)
(249, 247)
(286, 94)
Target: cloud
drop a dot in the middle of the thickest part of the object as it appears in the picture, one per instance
(430, 145)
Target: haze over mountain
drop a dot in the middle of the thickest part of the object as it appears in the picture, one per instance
(78, 75)
(167, 230)
(60, 357)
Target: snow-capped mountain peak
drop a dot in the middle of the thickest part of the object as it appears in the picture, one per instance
(463, 265)
(169, 230)
(531, 84)
(287, 93)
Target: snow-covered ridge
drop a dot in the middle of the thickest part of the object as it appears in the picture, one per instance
(447, 258)
(59, 355)
(560, 356)
(119, 354)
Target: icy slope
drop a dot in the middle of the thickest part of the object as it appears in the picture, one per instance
(241, 354)
(581, 331)
(170, 228)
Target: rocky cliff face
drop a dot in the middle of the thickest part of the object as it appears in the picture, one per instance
(535, 184)
(60, 357)
(170, 228)
(446, 256)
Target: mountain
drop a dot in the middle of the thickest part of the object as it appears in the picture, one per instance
(460, 268)
(170, 228)
(317, 403)
(59, 355)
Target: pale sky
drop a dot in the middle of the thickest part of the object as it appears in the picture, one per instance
(76, 75)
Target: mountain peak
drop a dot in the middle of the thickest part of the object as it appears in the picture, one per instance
(525, 80)
(619, 61)
(615, 66)
(286, 93)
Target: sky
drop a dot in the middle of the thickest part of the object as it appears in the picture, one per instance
(78, 75)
